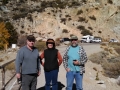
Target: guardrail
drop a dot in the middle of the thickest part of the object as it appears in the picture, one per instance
(3, 74)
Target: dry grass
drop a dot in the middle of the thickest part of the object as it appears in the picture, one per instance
(103, 44)
(116, 46)
(111, 65)
(41, 45)
(98, 57)
(10, 67)
(111, 69)
(117, 50)
(57, 41)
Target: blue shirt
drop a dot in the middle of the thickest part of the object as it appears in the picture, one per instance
(73, 54)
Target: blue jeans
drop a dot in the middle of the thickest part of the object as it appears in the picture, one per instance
(71, 75)
(51, 80)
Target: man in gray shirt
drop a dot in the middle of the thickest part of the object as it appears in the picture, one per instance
(28, 64)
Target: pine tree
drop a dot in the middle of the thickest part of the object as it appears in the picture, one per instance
(4, 36)
(13, 33)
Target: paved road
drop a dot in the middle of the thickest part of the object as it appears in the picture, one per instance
(89, 47)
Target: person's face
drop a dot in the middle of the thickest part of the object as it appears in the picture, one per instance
(50, 45)
(30, 43)
(74, 42)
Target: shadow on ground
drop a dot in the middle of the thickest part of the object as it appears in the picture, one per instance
(74, 87)
(60, 86)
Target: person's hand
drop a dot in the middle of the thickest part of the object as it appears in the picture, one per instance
(67, 69)
(18, 75)
(76, 62)
(39, 73)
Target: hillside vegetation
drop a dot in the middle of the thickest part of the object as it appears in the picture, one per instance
(61, 18)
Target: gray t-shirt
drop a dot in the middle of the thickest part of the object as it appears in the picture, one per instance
(27, 61)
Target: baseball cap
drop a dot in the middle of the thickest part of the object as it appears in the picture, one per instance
(74, 37)
(30, 38)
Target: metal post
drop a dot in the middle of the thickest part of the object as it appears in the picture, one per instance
(3, 78)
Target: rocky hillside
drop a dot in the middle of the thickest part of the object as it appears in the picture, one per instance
(61, 18)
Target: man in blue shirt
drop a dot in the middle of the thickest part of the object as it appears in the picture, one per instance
(28, 64)
(73, 61)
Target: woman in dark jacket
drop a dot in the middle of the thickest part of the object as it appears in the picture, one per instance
(51, 63)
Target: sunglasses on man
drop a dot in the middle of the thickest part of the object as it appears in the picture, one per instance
(31, 40)
(74, 39)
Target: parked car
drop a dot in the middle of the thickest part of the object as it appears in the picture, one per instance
(64, 39)
(86, 39)
(113, 40)
(96, 40)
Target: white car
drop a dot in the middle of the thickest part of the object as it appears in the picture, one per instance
(113, 40)
(97, 40)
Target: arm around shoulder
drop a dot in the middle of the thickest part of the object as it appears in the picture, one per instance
(60, 58)
(41, 57)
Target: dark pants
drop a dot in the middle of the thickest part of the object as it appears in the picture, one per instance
(51, 79)
(29, 81)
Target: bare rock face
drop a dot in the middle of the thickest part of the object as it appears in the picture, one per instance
(103, 16)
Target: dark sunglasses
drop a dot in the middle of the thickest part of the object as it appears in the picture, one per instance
(31, 40)
(50, 42)
(74, 39)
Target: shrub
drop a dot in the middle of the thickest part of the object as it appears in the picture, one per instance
(1, 19)
(116, 46)
(1, 60)
(22, 32)
(111, 69)
(104, 44)
(117, 50)
(57, 41)
(81, 19)
(67, 16)
(90, 28)
(94, 68)
(79, 12)
(92, 17)
(69, 19)
(10, 66)
(110, 1)
(99, 31)
(97, 76)
(4, 36)
(111, 65)
(74, 3)
(18, 16)
(84, 1)
(98, 57)
(65, 31)
(63, 20)
(21, 40)
(13, 33)
(41, 45)
(29, 17)
(86, 32)
(5, 1)
(71, 35)
(80, 27)
(23, 10)
(97, 8)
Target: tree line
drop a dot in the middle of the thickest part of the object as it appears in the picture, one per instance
(8, 35)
